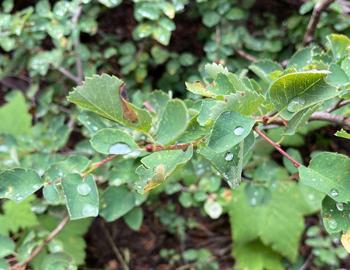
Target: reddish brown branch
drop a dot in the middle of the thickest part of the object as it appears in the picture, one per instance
(315, 18)
(97, 165)
(246, 55)
(178, 146)
(277, 147)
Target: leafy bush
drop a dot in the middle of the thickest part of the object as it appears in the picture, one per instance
(255, 126)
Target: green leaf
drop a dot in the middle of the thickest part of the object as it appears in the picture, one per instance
(105, 95)
(7, 246)
(343, 134)
(81, 196)
(335, 215)
(134, 218)
(173, 122)
(4, 264)
(113, 141)
(18, 184)
(211, 18)
(17, 216)
(288, 164)
(338, 77)
(15, 119)
(162, 35)
(230, 163)
(256, 256)
(328, 173)
(263, 68)
(278, 223)
(116, 202)
(110, 3)
(229, 129)
(339, 45)
(157, 166)
(296, 91)
(301, 58)
(57, 261)
(299, 120)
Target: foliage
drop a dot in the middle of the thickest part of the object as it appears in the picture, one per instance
(89, 136)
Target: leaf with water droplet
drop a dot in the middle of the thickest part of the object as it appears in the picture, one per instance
(51, 194)
(157, 166)
(299, 90)
(335, 215)
(328, 173)
(229, 129)
(18, 184)
(81, 196)
(113, 141)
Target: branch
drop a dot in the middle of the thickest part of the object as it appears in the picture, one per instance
(315, 18)
(178, 146)
(69, 75)
(340, 120)
(39, 248)
(246, 55)
(78, 62)
(277, 147)
(94, 166)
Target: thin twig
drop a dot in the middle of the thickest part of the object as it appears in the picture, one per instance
(246, 55)
(114, 247)
(315, 18)
(78, 62)
(340, 120)
(277, 147)
(69, 75)
(93, 167)
(39, 248)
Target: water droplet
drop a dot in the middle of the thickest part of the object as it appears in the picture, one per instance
(94, 128)
(334, 192)
(311, 197)
(119, 149)
(253, 201)
(340, 206)
(89, 210)
(238, 131)
(83, 189)
(18, 197)
(213, 209)
(332, 224)
(228, 156)
(88, 123)
(295, 104)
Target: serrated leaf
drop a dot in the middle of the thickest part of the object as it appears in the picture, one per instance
(18, 184)
(15, 119)
(343, 134)
(134, 218)
(173, 122)
(17, 216)
(81, 196)
(56, 261)
(229, 129)
(276, 223)
(73, 164)
(296, 91)
(335, 215)
(157, 166)
(328, 173)
(198, 88)
(7, 246)
(105, 95)
(116, 202)
(256, 256)
(107, 140)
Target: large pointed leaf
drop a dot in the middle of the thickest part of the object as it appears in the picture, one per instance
(81, 196)
(173, 122)
(328, 173)
(17, 184)
(229, 129)
(105, 95)
(278, 223)
(158, 166)
(296, 91)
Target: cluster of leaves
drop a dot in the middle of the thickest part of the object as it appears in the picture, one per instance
(206, 146)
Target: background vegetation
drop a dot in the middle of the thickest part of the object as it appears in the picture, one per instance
(194, 212)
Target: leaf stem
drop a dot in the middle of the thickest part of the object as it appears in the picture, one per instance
(94, 166)
(277, 147)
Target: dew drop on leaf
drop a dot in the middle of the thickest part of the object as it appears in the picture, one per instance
(332, 224)
(340, 206)
(295, 104)
(334, 192)
(228, 156)
(119, 149)
(83, 189)
(89, 210)
(238, 131)
(253, 201)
